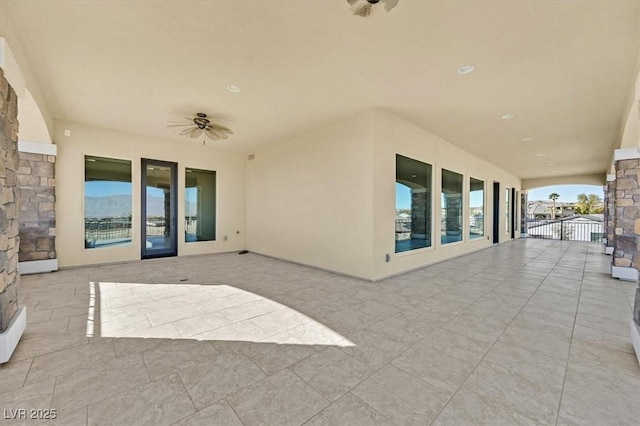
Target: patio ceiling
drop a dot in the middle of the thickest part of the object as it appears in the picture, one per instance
(564, 69)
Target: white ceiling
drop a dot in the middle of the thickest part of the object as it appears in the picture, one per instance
(563, 68)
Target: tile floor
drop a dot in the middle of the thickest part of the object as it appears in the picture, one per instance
(529, 332)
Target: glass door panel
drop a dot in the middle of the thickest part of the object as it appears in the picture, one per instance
(158, 209)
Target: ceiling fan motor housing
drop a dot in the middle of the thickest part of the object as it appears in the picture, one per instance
(201, 121)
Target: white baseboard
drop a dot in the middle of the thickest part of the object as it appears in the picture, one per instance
(11, 336)
(37, 266)
(624, 273)
(608, 250)
(635, 338)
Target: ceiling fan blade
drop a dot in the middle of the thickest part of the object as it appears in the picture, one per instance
(195, 133)
(364, 10)
(219, 128)
(179, 125)
(352, 2)
(186, 131)
(213, 135)
(390, 4)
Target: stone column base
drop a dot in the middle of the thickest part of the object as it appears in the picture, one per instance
(37, 266)
(624, 273)
(11, 336)
(635, 338)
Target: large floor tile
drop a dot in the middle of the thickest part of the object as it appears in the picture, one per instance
(437, 368)
(220, 377)
(175, 355)
(95, 383)
(281, 399)
(349, 410)
(67, 360)
(331, 372)
(400, 397)
(536, 399)
(219, 413)
(273, 357)
(158, 403)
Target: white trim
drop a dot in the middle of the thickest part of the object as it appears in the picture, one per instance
(624, 273)
(37, 148)
(608, 250)
(635, 338)
(37, 266)
(626, 154)
(611, 177)
(11, 336)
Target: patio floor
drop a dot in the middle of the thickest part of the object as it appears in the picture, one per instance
(529, 332)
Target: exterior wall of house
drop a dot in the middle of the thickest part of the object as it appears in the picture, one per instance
(394, 135)
(88, 140)
(327, 198)
(309, 198)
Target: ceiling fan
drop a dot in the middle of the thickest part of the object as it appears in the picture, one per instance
(201, 125)
(365, 7)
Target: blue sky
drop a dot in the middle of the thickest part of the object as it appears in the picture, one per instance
(567, 193)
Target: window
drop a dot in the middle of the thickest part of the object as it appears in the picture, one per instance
(200, 205)
(413, 204)
(107, 202)
(507, 210)
(451, 207)
(476, 208)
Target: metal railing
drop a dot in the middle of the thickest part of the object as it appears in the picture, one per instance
(574, 228)
(106, 229)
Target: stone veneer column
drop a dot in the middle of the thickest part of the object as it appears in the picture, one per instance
(609, 213)
(36, 182)
(12, 317)
(626, 253)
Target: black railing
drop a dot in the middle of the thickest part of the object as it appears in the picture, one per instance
(100, 229)
(574, 228)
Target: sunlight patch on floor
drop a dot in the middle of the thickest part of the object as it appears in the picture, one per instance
(199, 312)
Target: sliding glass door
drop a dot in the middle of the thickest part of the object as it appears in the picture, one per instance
(159, 208)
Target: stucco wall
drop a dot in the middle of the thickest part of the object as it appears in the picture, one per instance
(87, 140)
(327, 198)
(394, 135)
(309, 198)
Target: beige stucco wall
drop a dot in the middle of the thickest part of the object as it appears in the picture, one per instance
(394, 135)
(327, 198)
(309, 198)
(87, 140)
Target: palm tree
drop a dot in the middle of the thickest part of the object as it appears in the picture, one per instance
(553, 196)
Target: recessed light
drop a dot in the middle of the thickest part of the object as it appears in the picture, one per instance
(413, 175)
(233, 88)
(539, 155)
(507, 116)
(466, 69)
(527, 139)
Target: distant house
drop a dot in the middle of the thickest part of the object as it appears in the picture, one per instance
(541, 209)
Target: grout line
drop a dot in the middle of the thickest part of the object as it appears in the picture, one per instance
(566, 367)
(493, 344)
(233, 409)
